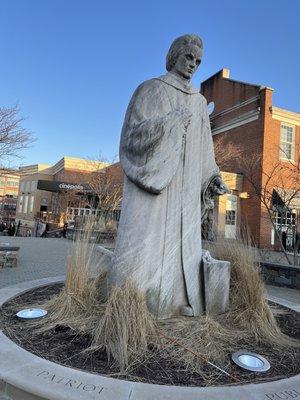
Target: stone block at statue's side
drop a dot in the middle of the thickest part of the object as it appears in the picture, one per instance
(167, 155)
(216, 275)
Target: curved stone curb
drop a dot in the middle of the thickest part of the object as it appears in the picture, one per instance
(24, 376)
(285, 303)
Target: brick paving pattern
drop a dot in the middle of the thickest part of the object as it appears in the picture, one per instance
(38, 258)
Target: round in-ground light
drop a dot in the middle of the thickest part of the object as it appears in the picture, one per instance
(31, 313)
(251, 361)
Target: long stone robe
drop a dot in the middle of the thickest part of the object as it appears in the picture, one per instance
(166, 166)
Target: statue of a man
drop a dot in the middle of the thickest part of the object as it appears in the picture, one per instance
(167, 155)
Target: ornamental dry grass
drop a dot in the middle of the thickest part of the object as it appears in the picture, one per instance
(250, 323)
(128, 330)
(80, 301)
(123, 326)
(126, 327)
(249, 307)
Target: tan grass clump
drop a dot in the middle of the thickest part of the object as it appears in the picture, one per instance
(80, 301)
(126, 326)
(193, 342)
(249, 307)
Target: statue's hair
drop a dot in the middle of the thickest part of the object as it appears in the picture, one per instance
(177, 47)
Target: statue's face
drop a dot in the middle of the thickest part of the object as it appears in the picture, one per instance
(188, 61)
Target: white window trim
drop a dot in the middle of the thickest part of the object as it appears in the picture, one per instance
(282, 154)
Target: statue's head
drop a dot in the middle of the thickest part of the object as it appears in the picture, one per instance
(184, 55)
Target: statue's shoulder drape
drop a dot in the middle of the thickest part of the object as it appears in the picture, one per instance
(150, 145)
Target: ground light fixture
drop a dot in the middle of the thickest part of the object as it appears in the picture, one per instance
(250, 361)
(31, 313)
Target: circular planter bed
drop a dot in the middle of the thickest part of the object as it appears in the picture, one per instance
(25, 375)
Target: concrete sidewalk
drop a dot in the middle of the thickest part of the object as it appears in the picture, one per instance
(286, 296)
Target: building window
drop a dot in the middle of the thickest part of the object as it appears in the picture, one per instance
(25, 205)
(27, 186)
(31, 202)
(230, 217)
(22, 186)
(33, 186)
(285, 223)
(287, 142)
(12, 183)
(20, 204)
(285, 220)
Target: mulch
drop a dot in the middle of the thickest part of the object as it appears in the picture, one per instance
(65, 346)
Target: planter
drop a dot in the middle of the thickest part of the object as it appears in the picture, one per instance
(24, 376)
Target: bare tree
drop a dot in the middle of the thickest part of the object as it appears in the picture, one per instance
(226, 152)
(278, 186)
(13, 137)
(107, 184)
(68, 199)
(278, 177)
(294, 169)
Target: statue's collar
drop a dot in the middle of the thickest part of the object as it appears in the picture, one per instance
(178, 83)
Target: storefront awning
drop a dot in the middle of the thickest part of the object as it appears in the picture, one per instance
(285, 200)
(58, 186)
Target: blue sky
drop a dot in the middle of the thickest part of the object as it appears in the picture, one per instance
(72, 65)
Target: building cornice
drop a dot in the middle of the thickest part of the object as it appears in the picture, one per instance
(283, 115)
(235, 107)
(239, 121)
(35, 169)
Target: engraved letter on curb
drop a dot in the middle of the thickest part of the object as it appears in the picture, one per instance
(93, 387)
(70, 383)
(286, 394)
(43, 372)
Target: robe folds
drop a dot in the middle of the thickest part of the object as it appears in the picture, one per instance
(166, 165)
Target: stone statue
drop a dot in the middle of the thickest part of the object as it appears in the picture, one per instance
(167, 155)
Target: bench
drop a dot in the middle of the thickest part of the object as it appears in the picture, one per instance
(8, 256)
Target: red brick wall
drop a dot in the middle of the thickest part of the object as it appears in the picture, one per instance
(247, 139)
(226, 92)
(279, 171)
(259, 139)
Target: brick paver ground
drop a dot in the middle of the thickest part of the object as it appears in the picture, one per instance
(38, 258)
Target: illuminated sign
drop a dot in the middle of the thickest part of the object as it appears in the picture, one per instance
(70, 186)
(56, 186)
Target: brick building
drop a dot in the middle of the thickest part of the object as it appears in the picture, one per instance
(9, 186)
(268, 139)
